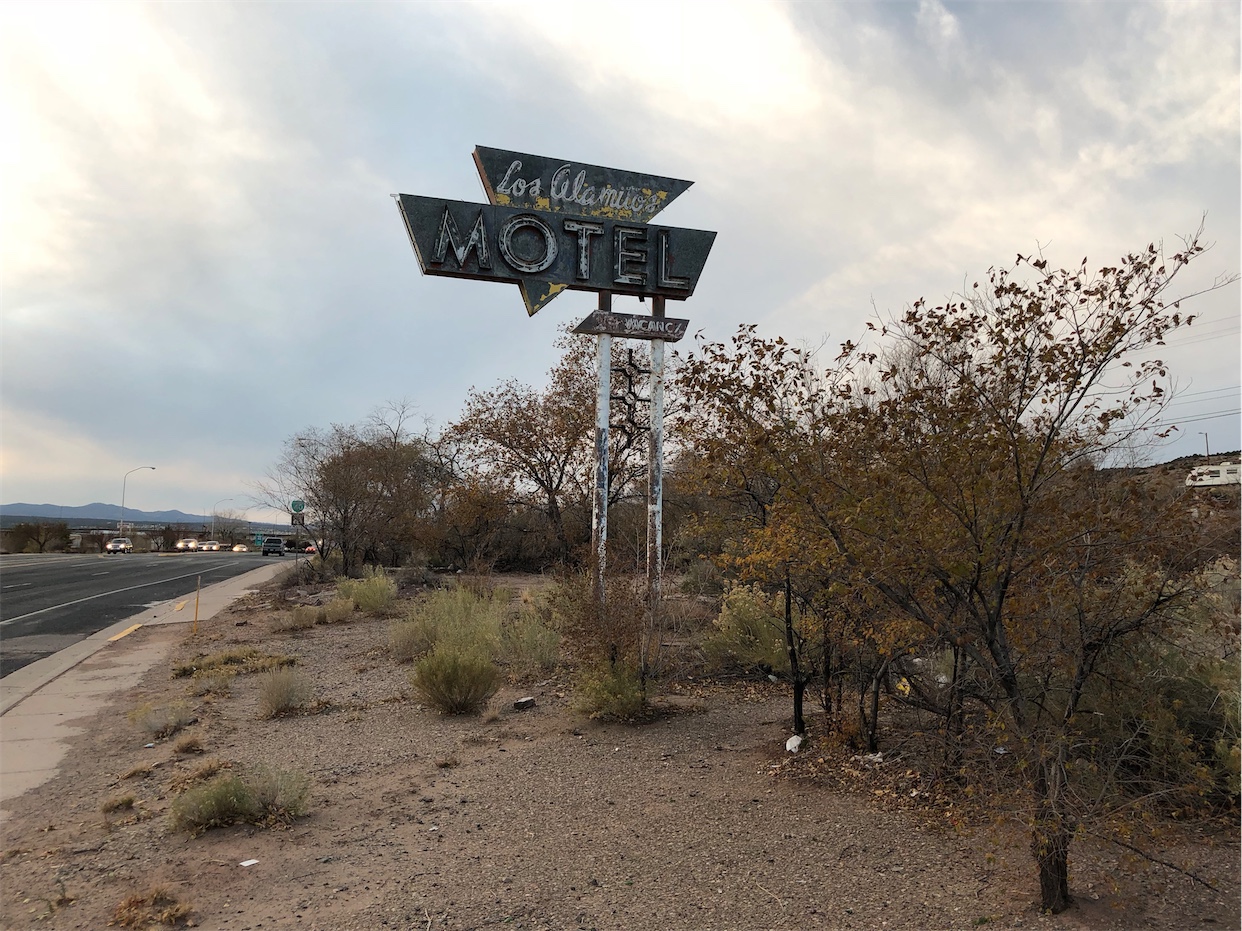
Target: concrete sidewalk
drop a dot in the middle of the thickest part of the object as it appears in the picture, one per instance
(39, 703)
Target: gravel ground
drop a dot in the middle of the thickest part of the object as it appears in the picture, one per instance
(535, 819)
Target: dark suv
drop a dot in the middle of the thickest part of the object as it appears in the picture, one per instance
(273, 546)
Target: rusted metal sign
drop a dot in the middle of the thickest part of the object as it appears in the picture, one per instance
(634, 326)
(550, 252)
(516, 179)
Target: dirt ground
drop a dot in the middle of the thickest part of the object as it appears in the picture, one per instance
(532, 819)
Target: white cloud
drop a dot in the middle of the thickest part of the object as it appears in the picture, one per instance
(198, 193)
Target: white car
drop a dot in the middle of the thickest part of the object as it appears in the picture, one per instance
(212, 545)
(189, 544)
(118, 545)
(241, 548)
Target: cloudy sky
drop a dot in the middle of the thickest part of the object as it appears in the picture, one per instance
(201, 256)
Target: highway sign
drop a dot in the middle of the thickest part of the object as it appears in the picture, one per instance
(298, 520)
(297, 506)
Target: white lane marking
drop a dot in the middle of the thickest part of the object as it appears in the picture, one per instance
(19, 585)
(175, 578)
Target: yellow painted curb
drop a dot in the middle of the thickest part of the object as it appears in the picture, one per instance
(127, 630)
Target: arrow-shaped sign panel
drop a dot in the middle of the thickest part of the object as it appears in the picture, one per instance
(519, 179)
(634, 326)
(547, 252)
(516, 179)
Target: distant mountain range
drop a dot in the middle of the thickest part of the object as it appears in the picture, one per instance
(96, 511)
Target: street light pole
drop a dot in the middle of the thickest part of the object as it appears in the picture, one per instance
(213, 515)
(124, 479)
(1206, 452)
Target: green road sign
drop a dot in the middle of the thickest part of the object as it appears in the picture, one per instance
(258, 539)
(298, 506)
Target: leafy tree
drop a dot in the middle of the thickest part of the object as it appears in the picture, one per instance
(950, 474)
(39, 537)
(366, 486)
(542, 443)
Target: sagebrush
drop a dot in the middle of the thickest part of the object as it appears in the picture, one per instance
(455, 682)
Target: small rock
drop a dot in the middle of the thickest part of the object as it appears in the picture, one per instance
(793, 743)
(523, 703)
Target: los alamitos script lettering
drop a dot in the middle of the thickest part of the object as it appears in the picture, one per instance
(567, 188)
(563, 185)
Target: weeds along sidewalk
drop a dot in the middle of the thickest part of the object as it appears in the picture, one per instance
(46, 703)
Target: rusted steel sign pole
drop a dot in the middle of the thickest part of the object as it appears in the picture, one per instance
(655, 480)
(551, 225)
(599, 504)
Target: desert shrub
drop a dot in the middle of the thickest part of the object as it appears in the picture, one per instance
(155, 907)
(619, 635)
(337, 610)
(265, 796)
(280, 795)
(223, 801)
(527, 645)
(454, 618)
(702, 577)
(119, 803)
(408, 640)
(373, 594)
(749, 633)
(455, 682)
(302, 617)
(281, 691)
(612, 692)
(161, 721)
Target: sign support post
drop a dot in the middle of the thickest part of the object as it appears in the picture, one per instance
(655, 486)
(599, 509)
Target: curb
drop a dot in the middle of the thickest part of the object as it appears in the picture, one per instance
(20, 684)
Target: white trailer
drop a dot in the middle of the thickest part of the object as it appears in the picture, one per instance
(1225, 473)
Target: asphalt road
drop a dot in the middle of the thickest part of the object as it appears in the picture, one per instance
(50, 602)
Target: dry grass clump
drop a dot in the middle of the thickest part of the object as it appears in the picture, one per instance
(158, 906)
(337, 610)
(215, 684)
(303, 617)
(455, 682)
(231, 662)
(161, 721)
(264, 796)
(200, 774)
(188, 743)
(282, 691)
(528, 646)
(118, 803)
(373, 594)
(141, 770)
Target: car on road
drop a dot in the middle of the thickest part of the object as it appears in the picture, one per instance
(273, 546)
(118, 545)
(241, 548)
(187, 545)
(212, 545)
